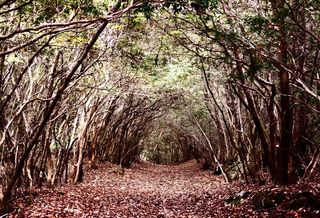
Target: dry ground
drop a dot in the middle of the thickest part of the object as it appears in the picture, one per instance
(145, 190)
(148, 190)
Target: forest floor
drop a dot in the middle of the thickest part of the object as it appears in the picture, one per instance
(148, 190)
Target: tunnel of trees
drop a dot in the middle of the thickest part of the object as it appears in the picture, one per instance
(233, 84)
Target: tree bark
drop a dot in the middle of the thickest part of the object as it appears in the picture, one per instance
(312, 165)
(46, 116)
(283, 152)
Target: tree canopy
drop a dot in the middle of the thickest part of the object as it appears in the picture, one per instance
(234, 84)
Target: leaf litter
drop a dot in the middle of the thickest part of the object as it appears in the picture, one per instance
(149, 190)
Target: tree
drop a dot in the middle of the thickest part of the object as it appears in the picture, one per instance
(38, 35)
(254, 45)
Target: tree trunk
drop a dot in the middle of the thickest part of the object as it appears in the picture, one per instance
(46, 116)
(283, 152)
(312, 165)
(50, 164)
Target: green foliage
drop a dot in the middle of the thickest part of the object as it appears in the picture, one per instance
(47, 11)
(147, 9)
(253, 69)
(136, 21)
(71, 39)
(256, 23)
(279, 15)
(208, 3)
(182, 6)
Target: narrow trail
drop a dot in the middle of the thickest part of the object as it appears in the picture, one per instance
(145, 190)
(159, 191)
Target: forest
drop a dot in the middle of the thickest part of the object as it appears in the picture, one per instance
(223, 95)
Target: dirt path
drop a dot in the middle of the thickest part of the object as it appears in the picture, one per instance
(145, 190)
(157, 191)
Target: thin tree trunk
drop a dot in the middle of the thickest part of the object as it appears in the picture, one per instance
(47, 114)
(283, 153)
(312, 165)
(211, 148)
